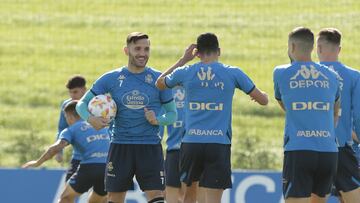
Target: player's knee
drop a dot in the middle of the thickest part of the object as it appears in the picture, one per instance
(157, 200)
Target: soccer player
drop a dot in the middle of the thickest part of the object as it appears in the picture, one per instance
(174, 191)
(76, 86)
(209, 87)
(93, 147)
(348, 177)
(136, 143)
(309, 93)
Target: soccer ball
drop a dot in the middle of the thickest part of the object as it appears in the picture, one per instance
(102, 106)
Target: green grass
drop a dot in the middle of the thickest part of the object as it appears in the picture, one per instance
(44, 42)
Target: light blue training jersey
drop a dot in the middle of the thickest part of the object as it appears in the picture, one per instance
(132, 93)
(308, 92)
(63, 124)
(93, 145)
(177, 130)
(349, 79)
(208, 102)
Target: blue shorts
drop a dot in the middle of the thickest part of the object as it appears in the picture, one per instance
(74, 164)
(144, 161)
(89, 176)
(306, 172)
(172, 166)
(208, 163)
(348, 175)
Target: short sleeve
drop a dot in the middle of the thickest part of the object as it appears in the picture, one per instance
(102, 84)
(176, 77)
(276, 84)
(66, 135)
(242, 81)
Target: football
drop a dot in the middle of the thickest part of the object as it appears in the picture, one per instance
(103, 106)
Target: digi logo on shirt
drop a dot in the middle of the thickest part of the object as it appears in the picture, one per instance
(309, 77)
(206, 106)
(319, 106)
(135, 100)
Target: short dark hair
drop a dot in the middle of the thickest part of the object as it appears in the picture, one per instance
(303, 35)
(76, 81)
(207, 43)
(70, 107)
(135, 36)
(331, 35)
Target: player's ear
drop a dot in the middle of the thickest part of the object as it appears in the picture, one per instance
(126, 51)
(339, 49)
(219, 51)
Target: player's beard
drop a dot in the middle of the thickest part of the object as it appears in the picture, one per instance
(138, 63)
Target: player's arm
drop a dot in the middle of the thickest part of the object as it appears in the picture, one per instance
(50, 152)
(354, 137)
(62, 124)
(259, 96)
(336, 111)
(189, 55)
(82, 110)
(167, 118)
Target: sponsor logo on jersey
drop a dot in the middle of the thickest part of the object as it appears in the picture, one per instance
(206, 132)
(318, 106)
(99, 154)
(206, 106)
(309, 77)
(149, 79)
(135, 100)
(313, 133)
(93, 138)
(179, 97)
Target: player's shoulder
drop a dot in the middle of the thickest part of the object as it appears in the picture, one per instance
(326, 69)
(155, 72)
(279, 69)
(64, 102)
(115, 73)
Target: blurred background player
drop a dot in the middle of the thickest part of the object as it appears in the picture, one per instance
(93, 147)
(209, 87)
(174, 192)
(309, 93)
(348, 177)
(76, 86)
(135, 140)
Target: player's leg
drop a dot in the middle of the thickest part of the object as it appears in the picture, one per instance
(68, 195)
(80, 182)
(298, 172)
(324, 176)
(191, 168)
(98, 194)
(150, 171)
(348, 176)
(119, 171)
(217, 171)
(173, 184)
(191, 192)
(201, 197)
(316, 199)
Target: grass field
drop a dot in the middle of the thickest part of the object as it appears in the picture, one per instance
(44, 42)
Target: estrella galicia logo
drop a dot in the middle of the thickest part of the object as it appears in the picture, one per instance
(135, 100)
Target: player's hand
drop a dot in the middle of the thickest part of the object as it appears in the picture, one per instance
(150, 116)
(30, 164)
(190, 53)
(59, 157)
(98, 122)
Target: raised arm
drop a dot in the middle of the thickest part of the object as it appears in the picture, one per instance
(189, 55)
(49, 153)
